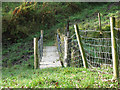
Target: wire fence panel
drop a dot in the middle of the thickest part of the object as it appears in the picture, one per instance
(76, 58)
(117, 38)
(118, 49)
(97, 48)
(118, 42)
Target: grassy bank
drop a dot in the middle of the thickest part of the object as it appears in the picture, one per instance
(58, 77)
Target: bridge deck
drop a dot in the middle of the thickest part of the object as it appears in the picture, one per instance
(50, 57)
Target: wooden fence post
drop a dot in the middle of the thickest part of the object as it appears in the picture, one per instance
(81, 46)
(114, 49)
(101, 35)
(36, 61)
(99, 19)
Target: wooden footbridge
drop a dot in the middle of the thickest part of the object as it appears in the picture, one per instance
(80, 49)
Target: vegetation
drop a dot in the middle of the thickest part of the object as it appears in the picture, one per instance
(31, 17)
(20, 27)
(70, 77)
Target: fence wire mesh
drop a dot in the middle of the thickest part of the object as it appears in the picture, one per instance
(117, 38)
(76, 59)
(118, 42)
(97, 48)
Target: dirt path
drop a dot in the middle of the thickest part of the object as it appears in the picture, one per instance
(50, 57)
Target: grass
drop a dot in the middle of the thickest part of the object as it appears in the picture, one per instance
(17, 52)
(69, 77)
(88, 19)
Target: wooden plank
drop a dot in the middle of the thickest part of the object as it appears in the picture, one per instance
(36, 61)
(114, 49)
(80, 46)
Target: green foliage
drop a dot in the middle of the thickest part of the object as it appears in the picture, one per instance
(7, 6)
(36, 16)
(30, 18)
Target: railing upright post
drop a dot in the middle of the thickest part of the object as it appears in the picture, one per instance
(99, 19)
